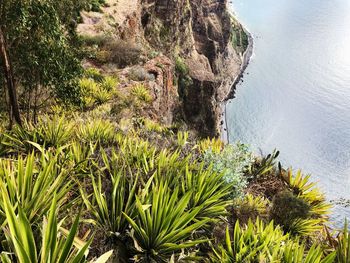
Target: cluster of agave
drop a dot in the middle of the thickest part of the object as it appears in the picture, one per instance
(160, 204)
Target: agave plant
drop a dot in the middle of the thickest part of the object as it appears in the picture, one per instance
(162, 226)
(307, 190)
(294, 252)
(209, 191)
(100, 131)
(141, 93)
(107, 207)
(33, 185)
(255, 242)
(343, 246)
(55, 131)
(57, 244)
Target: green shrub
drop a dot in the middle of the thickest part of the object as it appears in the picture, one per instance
(287, 208)
(233, 161)
(123, 53)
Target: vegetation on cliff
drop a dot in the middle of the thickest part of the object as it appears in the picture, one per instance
(98, 169)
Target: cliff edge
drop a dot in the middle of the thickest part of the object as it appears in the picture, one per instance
(201, 42)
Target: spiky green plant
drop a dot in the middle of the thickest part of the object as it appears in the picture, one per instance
(107, 207)
(265, 164)
(209, 191)
(295, 252)
(255, 242)
(141, 93)
(19, 138)
(109, 83)
(101, 95)
(182, 138)
(55, 131)
(301, 186)
(343, 246)
(251, 207)
(57, 244)
(33, 183)
(162, 226)
(96, 130)
(215, 145)
(94, 74)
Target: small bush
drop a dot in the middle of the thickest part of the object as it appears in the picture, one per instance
(123, 53)
(96, 40)
(140, 74)
(233, 161)
(286, 208)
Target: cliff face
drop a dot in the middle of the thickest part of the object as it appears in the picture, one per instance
(204, 45)
(200, 32)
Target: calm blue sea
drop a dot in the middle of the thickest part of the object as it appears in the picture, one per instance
(296, 92)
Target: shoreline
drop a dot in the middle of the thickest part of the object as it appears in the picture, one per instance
(247, 55)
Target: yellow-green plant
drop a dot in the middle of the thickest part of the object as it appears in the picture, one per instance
(343, 245)
(214, 144)
(109, 83)
(162, 226)
(20, 139)
(57, 244)
(255, 242)
(295, 252)
(209, 191)
(32, 183)
(301, 186)
(55, 131)
(107, 207)
(141, 93)
(101, 95)
(182, 138)
(94, 74)
(252, 206)
(96, 130)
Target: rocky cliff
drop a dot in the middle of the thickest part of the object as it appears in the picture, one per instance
(202, 40)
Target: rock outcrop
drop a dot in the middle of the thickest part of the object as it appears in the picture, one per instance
(200, 32)
(203, 43)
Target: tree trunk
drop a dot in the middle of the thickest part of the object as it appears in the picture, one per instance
(9, 79)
